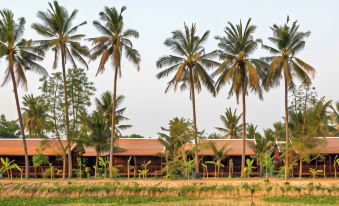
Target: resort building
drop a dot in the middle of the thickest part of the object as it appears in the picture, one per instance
(138, 151)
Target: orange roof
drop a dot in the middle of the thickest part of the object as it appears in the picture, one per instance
(332, 146)
(234, 146)
(132, 147)
(14, 147)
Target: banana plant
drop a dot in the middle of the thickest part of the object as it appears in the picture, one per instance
(104, 163)
(335, 163)
(144, 171)
(88, 171)
(249, 167)
(81, 164)
(268, 164)
(189, 166)
(314, 172)
(115, 170)
(8, 167)
(214, 163)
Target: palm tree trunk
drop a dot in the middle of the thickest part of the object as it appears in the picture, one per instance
(11, 67)
(243, 132)
(300, 168)
(196, 155)
(286, 129)
(111, 152)
(64, 162)
(261, 167)
(96, 166)
(66, 111)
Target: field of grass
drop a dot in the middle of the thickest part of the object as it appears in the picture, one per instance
(319, 200)
(117, 200)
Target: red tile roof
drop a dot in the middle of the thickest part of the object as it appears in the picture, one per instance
(14, 147)
(331, 146)
(132, 147)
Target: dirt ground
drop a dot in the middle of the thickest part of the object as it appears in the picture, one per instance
(170, 183)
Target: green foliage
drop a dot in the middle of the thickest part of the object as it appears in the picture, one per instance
(176, 169)
(135, 136)
(231, 124)
(315, 172)
(249, 167)
(8, 129)
(40, 159)
(8, 166)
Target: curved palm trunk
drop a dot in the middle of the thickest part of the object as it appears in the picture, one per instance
(11, 65)
(196, 155)
(243, 132)
(286, 129)
(114, 98)
(69, 152)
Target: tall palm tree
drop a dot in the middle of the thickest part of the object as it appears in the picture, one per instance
(111, 44)
(35, 115)
(189, 63)
(288, 41)
(230, 120)
(263, 146)
(63, 39)
(21, 55)
(244, 73)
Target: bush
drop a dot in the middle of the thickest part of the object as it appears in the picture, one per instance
(176, 169)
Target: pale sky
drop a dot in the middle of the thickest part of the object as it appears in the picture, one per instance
(148, 107)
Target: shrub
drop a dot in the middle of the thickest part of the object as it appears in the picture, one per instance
(176, 169)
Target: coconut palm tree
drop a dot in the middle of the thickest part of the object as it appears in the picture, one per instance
(21, 55)
(230, 121)
(263, 146)
(288, 42)
(63, 39)
(111, 44)
(238, 69)
(189, 63)
(97, 134)
(219, 155)
(35, 115)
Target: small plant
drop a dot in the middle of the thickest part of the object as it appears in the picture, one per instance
(310, 187)
(268, 164)
(314, 172)
(204, 170)
(252, 188)
(144, 171)
(249, 167)
(115, 171)
(189, 166)
(8, 167)
(298, 189)
(39, 160)
(103, 162)
(335, 163)
(81, 164)
(88, 172)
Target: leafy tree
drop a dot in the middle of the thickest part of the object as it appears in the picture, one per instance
(35, 116)
(80, 91)
(135, 136)
(113, 41)
(8, 129)
(52, 93)
(279, 131)
(21, 55)
(38, 160)
(62, 38)
(215, 136)
(232, 128)
(189, 63)
(178, 134)
(288, 41)
(238, 69)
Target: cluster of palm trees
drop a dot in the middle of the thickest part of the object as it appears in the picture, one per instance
(232, 62)
(62, 37)
(236, 66)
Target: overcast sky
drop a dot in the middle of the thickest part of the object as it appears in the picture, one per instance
(148, 107)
